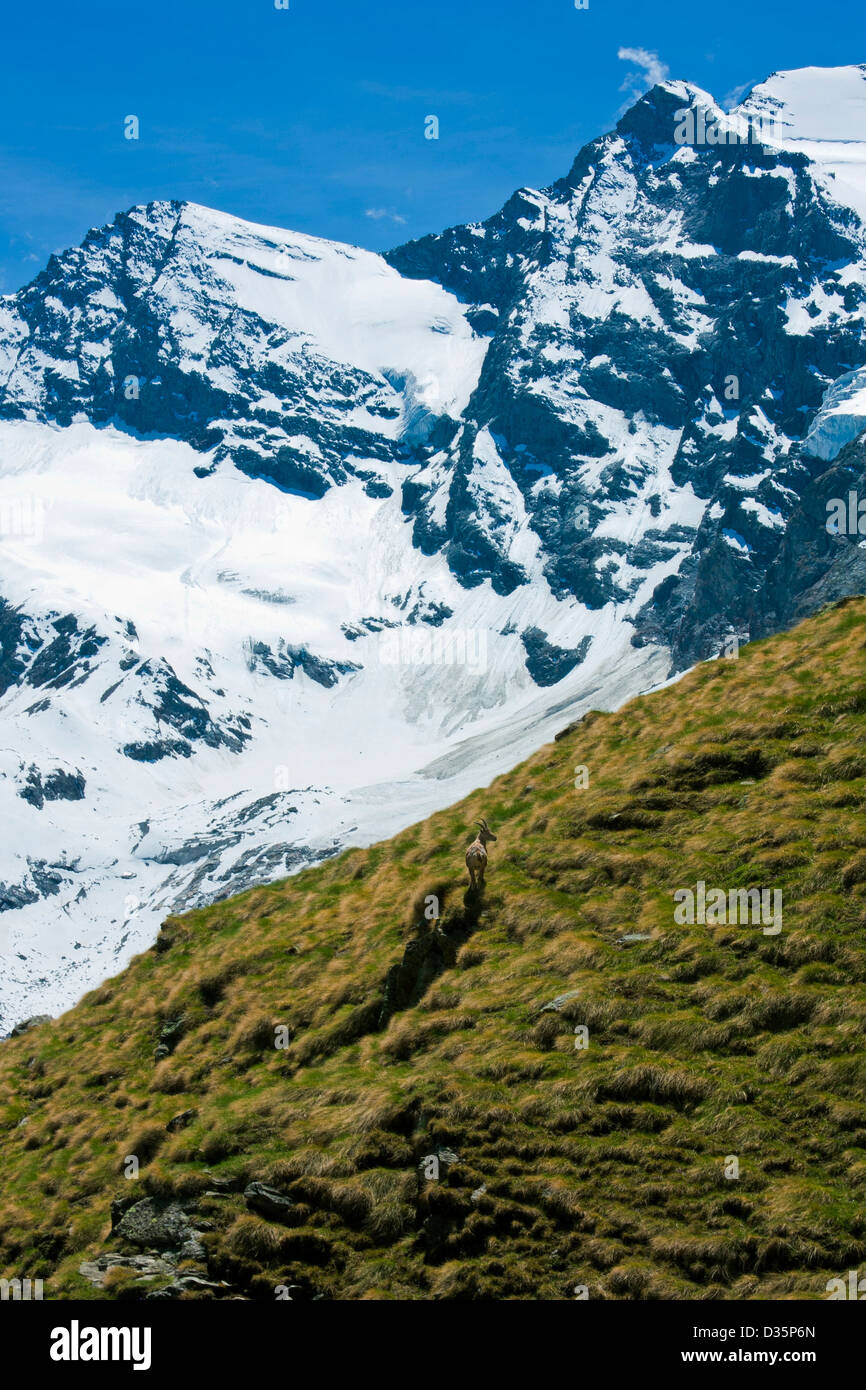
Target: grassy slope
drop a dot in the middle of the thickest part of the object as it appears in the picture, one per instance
(602, 1167)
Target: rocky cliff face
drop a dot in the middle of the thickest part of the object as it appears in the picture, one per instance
(666, 322)
(300, 542)
(249, 343)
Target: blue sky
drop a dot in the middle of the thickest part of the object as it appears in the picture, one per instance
(313, 117)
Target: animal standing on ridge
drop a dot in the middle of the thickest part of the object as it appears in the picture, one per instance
(476, 855)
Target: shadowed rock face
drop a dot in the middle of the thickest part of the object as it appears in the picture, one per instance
(655, 327)
(97, 332)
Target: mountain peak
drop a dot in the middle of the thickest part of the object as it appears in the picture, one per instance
(653, 118)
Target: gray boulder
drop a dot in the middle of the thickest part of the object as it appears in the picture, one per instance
(268, 1201)
(554, 1006)
(29, 1023)
(148, 1266)
(163, 1225)
(181, 1121)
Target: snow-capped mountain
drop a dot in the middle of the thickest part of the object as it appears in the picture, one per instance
(300, 543)
(670, 318)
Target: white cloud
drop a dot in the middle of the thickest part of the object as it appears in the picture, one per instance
(378, 214)
(653, 70)
(734, 97)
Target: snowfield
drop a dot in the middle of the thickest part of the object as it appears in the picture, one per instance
(821, 113)
(198, 578)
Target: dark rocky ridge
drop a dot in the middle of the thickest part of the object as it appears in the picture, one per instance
(731, 199)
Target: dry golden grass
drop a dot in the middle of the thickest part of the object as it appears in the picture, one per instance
(602, 1166)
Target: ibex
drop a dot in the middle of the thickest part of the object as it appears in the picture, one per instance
(476, 855)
